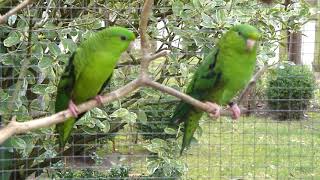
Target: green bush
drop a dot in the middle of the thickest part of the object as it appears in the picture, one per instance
(289, 91)
(116, 172)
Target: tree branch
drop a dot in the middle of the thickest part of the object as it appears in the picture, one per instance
(14, 10)
(15, 127)
(177, 94)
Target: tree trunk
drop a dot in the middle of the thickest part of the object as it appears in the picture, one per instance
(316, 61)
(295, 40)
(283, 49)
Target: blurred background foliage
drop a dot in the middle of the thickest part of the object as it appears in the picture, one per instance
(38, 41)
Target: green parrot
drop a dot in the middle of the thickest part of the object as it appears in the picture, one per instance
(88, 72)
(223, 72)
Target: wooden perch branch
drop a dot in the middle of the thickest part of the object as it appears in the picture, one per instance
(14, 10)
(15, 127)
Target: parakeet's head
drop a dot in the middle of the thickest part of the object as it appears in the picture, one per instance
(117, 38)
(246, 36)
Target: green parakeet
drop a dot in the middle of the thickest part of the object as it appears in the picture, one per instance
(223, 72)
(88, 72)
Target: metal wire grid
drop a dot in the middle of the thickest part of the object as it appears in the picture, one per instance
(256, 147)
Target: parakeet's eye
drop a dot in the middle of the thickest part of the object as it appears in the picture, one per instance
(239, 33)
(123, 38)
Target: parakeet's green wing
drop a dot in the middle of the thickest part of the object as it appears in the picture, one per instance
(65, 86)
(105, 84)
(64, 93)
(206, 77)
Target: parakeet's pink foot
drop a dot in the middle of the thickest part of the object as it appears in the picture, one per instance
(214, 109)
(236, 112)
(98, 98)
(73, 108)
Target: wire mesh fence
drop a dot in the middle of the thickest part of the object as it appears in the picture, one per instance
(277, 136)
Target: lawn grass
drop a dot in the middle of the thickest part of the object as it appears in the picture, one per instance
(251, 148)
(256, 148)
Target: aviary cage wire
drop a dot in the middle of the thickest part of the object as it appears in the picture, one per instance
(130, 138)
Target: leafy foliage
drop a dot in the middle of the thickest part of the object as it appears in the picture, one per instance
(289, 91)
(166, 162)
(115, 172)
(42, 38)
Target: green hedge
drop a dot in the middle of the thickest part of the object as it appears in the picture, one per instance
(289, 91)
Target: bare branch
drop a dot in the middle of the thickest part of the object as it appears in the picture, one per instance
(14, 10)
(21, 127)
(143, 80)
(177, 94)
(147, 7)
(158, 55)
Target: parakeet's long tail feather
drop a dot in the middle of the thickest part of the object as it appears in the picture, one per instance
(180, 113)
(190, 126)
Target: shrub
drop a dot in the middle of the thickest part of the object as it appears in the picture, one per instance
(289, 90)
(116, 172)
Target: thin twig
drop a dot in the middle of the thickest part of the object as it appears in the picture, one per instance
(14, 10)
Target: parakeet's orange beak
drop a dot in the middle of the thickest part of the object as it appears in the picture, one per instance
(250, 44)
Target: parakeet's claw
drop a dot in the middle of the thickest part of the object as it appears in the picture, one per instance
(98, 98)
(214, 109)
(73, 108)
(236, 112)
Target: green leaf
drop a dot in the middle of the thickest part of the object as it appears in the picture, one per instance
(158, 142)
(207, 21)
(54, 49)
(130, 118)
(170, 131)
(17, 143)
(89, 130)
(12, 19)
(43, 89)
(50, 89)
(12, 39)
(103, 126)
(7, 59)
(69, 2)
(106, 126)
(37, 51)
(86, 118)
(69, 45)
(3, 95)
(45, 62)
(196, 4)
(30, 77)
(152, 166)
(122, 112)
(22, 23)
(177, 7)
(98, 113)
(142, 117)
(184, 70)
(64, 58)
